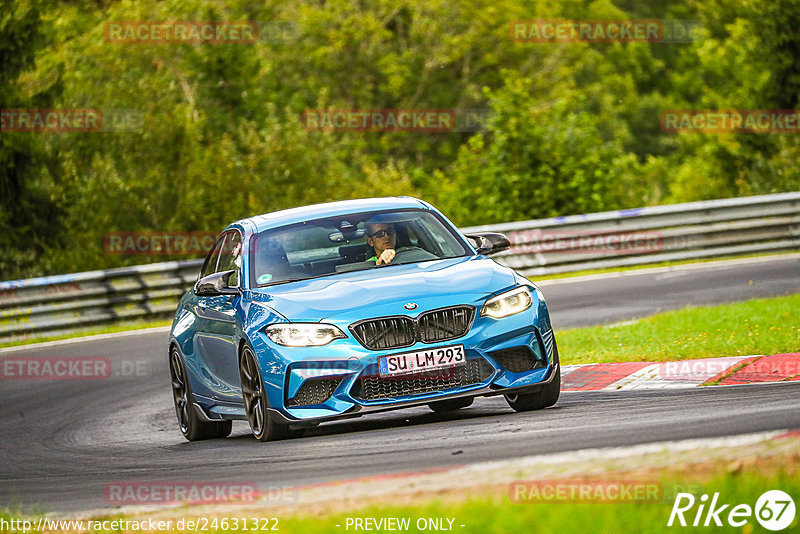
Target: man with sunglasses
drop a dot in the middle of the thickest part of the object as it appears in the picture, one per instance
(382, 237)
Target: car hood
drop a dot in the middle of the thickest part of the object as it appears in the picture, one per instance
(348, 297)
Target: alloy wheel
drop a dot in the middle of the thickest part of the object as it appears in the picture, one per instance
(252, 392)
(180, 392)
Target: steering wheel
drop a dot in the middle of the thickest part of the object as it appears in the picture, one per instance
(412, 253)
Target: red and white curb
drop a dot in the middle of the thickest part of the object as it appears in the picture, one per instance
(681, 374)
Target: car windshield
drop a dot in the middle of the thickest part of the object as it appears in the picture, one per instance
(333, 245)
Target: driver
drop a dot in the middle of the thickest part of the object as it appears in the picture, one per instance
(382, 237)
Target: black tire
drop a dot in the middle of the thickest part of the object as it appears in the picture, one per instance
(192, 427)
(263, 427)
(544, 398)
(450, 405)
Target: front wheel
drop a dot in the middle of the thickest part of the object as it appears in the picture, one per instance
(192, 427)
(545, 397)
(263, 427)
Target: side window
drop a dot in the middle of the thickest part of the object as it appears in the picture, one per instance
(210, 266)
(444, 242)
(424, 239)
(231, 257)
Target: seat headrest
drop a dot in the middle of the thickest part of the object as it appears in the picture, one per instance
(271, 258)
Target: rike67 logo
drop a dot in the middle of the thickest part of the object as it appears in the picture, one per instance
(774, 510)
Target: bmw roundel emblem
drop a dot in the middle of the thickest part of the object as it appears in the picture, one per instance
(410, 306)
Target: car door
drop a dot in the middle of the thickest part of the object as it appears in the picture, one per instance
(215, 337)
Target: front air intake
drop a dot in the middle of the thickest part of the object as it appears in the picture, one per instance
(314, 391)
(371, 386)
(518, 359)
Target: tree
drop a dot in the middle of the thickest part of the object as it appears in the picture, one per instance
(29, 212)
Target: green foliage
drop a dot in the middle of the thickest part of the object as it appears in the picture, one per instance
(541, 159)
(573, 127)
(28, 211)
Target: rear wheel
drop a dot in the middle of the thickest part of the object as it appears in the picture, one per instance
(450, 405)
(263, 427)
(545, 397)
(192, 427)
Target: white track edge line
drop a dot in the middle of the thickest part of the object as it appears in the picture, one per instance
(96, 337)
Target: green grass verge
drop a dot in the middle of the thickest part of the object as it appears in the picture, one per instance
(760, 326)
(494, 512)
(110, 329)
(497, 514)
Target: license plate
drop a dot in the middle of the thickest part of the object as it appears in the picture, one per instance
(421, 360)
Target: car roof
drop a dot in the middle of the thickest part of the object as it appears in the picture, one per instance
(329, 209)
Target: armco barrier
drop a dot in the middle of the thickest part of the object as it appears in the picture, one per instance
(759, 224)
(695, 230)
(70, 302)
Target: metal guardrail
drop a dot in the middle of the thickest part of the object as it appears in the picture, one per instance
(770, 223)
(66, 303)
(694, 230)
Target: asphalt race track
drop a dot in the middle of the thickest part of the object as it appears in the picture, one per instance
(61, 442)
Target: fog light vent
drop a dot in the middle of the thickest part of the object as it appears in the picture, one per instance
(314, 391)
(517, 359)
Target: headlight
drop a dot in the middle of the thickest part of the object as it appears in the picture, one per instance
(509, 303)
(303, 334)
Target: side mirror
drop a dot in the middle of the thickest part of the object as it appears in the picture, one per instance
(215, 284)
(489, 242)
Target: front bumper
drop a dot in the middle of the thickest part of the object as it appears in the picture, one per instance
(345, 362)
(359, 410)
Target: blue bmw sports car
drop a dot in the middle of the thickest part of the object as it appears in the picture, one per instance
(338, 310)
